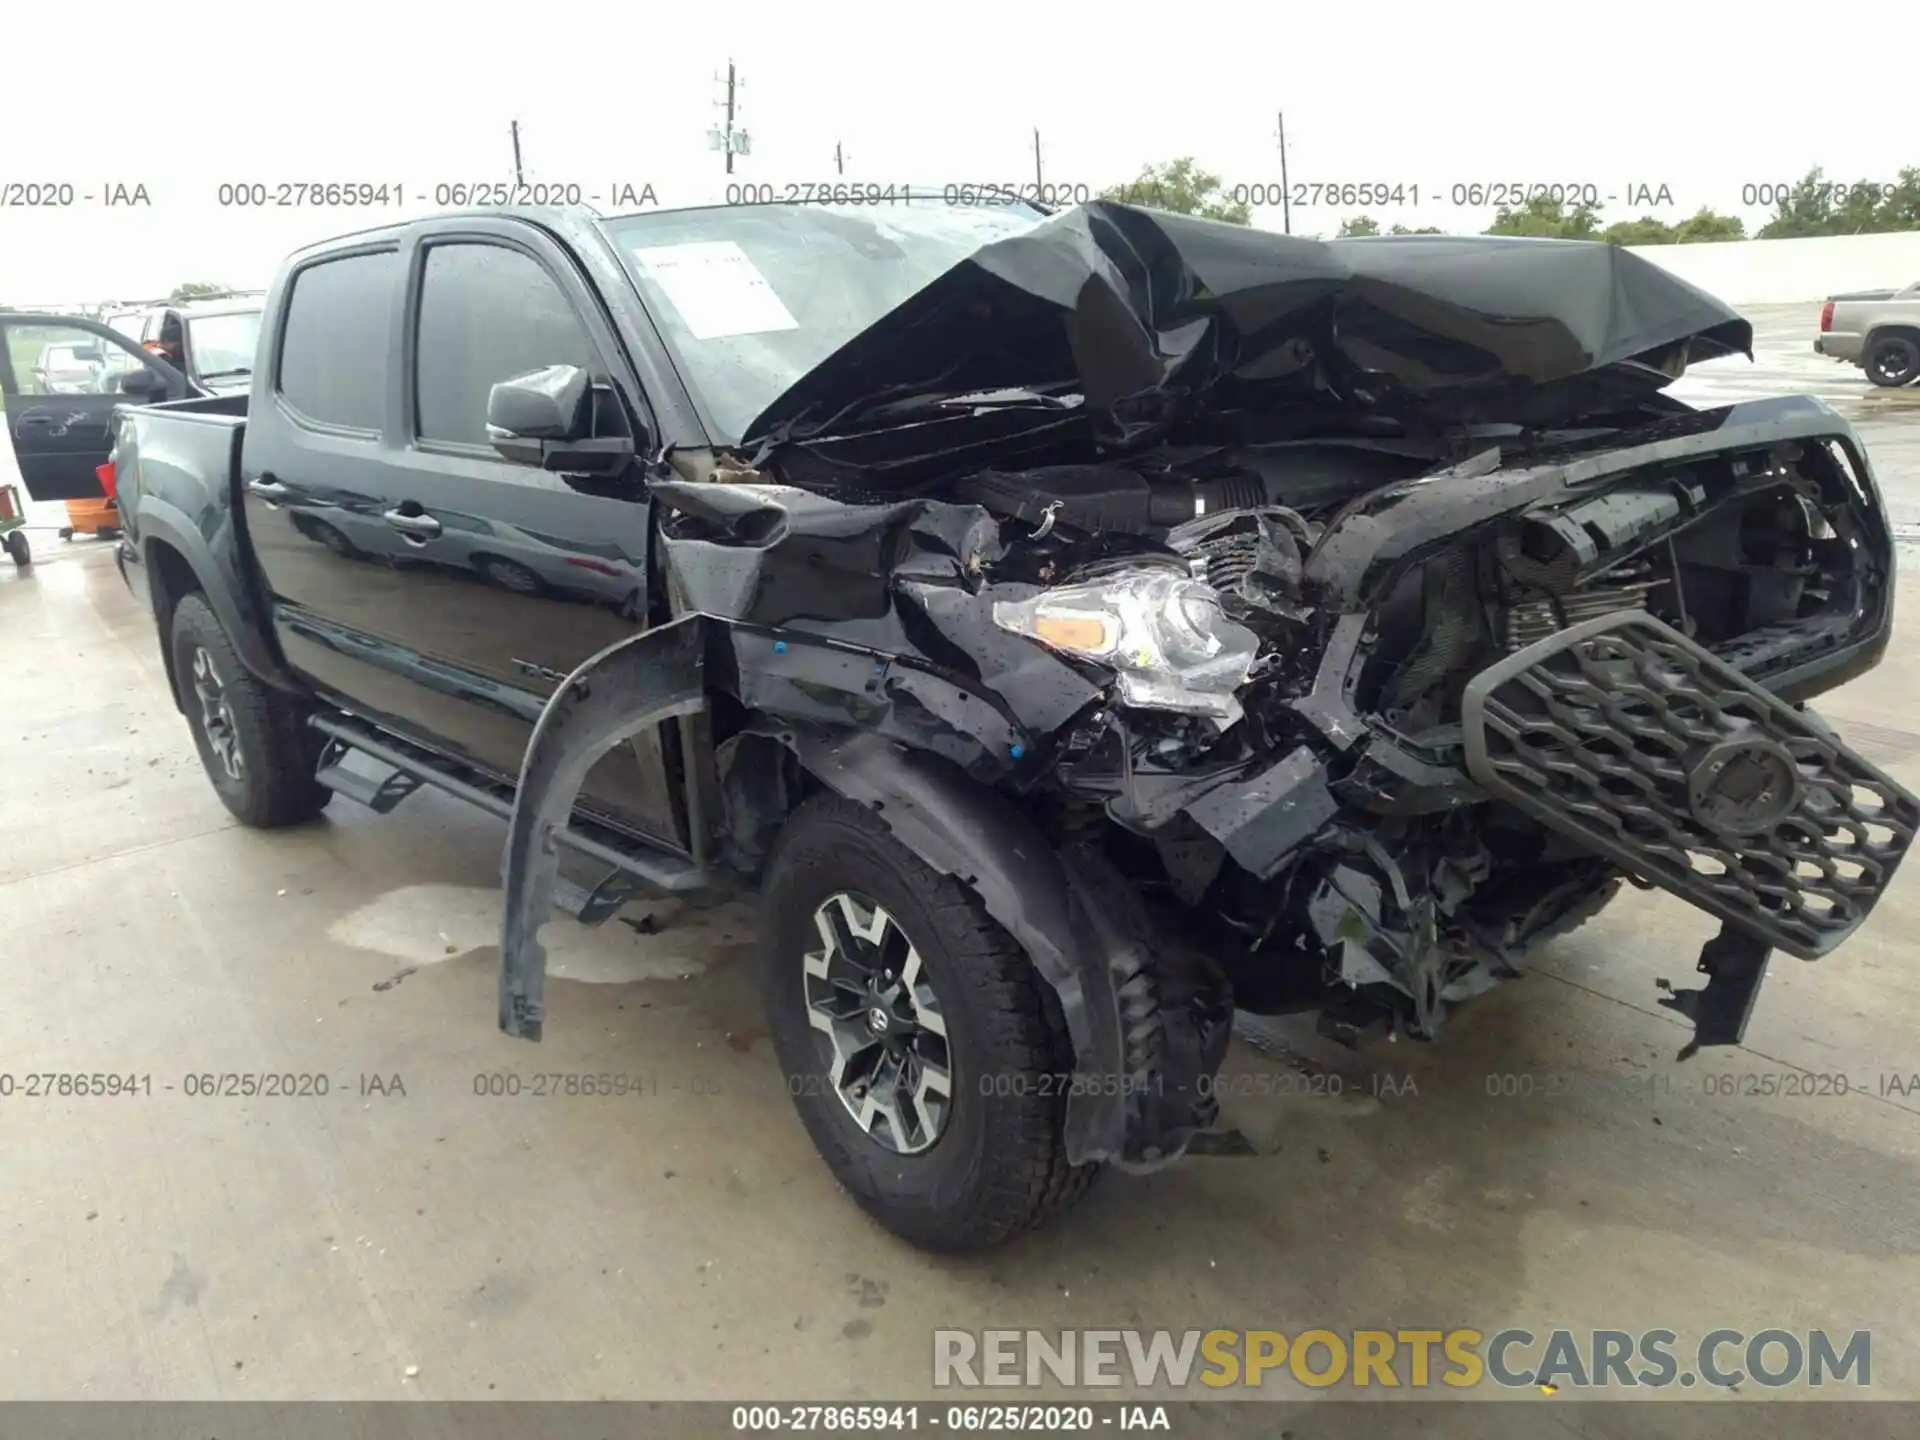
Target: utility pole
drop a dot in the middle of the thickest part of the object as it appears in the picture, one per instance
(839, 160)
(1038, 184)
(728, 139)
(1286, 206)
(517, 179)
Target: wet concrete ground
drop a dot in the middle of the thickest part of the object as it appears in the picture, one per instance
(1547, 1165)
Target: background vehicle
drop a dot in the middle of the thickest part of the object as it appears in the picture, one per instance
(211, 338)
(1068, 660)
(70, 369)
(59, 436)
(130, 323)
(1878, 330)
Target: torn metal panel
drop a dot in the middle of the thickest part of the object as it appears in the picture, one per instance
(1262, 821)
(1735, 964)
(807, 679)
(777, 555)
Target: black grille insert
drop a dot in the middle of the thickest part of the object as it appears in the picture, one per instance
(1628, 736)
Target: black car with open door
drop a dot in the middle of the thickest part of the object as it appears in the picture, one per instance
(63, 376)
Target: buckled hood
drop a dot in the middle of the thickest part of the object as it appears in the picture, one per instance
(1131, 306)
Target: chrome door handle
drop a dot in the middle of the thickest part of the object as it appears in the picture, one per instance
(420, 527)
(267, 489)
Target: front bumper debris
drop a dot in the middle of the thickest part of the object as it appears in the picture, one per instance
(1627, 736)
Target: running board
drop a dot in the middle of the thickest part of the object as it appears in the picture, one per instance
(380, 770)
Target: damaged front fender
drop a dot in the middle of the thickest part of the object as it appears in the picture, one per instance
(1148, 1020)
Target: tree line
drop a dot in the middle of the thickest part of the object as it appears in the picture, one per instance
(1812, 205)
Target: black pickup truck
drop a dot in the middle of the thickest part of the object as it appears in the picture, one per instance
(1078, 625)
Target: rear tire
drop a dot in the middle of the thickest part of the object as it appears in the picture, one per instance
(1893, 361)
(329, 536)
(254, 741)
(19, 549)
(993, 1162)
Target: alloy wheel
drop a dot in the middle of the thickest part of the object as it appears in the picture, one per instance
(216, 717)
(880, 1027)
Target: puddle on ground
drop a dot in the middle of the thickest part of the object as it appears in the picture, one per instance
(427, 924)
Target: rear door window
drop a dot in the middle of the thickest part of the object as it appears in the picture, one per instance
(333, 345)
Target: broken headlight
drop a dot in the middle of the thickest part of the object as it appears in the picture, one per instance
(1164, 636)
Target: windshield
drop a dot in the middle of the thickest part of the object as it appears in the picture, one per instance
(223, 344)
(752, 297)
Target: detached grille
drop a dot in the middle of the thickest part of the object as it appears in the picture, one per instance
(1628, 736)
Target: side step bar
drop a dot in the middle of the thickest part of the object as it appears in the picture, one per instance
(381, 770)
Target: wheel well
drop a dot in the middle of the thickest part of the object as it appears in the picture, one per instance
(171, 579)
(761, 784)
(478, 556)
(1884, 332)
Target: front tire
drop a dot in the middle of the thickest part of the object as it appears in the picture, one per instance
(510, 575)
(19, 549)
(254, 742)
(1893, 361)
(926, 1056)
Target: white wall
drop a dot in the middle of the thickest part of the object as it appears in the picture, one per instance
(1785, 272)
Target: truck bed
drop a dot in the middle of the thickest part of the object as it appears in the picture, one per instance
(177, 467)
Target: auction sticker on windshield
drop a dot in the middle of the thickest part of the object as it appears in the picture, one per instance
(717, 289)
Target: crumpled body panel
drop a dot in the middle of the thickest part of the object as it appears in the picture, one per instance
(1125, 303)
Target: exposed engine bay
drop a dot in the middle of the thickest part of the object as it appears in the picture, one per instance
(1376, 882)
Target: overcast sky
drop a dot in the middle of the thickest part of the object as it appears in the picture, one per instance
(1702, 98)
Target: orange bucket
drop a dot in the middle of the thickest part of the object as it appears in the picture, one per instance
(90, 517)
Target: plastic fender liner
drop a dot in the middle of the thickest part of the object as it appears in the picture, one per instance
(626, 688)
(1102, 971)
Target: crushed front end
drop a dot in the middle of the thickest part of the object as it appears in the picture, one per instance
(1484, 698)
(1316, 632)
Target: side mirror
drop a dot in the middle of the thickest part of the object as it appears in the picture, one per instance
(549, 404)
(142, 383)
(545, 418)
